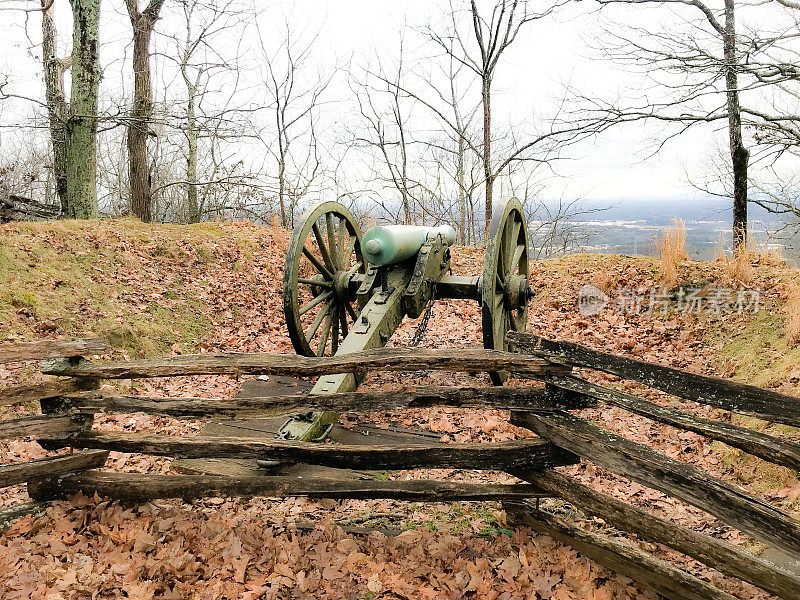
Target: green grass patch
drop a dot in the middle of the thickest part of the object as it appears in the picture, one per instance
(88, 278)
(759, 350)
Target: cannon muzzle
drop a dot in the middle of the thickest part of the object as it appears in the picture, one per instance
(391, 244)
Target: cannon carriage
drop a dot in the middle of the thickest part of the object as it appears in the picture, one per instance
(345, 293)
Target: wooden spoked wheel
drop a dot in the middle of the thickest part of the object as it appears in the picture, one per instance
(318, 303)
(504, 285)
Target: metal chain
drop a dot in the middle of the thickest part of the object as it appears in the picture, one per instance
(419, 334)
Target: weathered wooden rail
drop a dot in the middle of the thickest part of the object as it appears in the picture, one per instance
(722, 393)
(563, 437)
(43, 426)
(379, 359)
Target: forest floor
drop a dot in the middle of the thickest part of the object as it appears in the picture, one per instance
(156, 289)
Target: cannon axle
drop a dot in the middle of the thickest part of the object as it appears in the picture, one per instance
(460, 287)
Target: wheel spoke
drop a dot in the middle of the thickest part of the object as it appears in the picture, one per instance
(512, 320)
(501, 324)
(350, 311)
(312, 331)
(515, 231)
(510, 244)
(334, 250)
(502, 249)
(318, 282)
(343, 242)
(516, 258)
(323, 249)
(322, 269)
(326, 331)
(335, 336)
(348, 250)
(343, 317)
(313, 302)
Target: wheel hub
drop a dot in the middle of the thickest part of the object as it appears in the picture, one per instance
(517, 292)
(341, 285)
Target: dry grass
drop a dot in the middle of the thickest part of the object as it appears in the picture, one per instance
(739, 269)
(772, 257)
(672, 250)
(792, 325)
(605, 280)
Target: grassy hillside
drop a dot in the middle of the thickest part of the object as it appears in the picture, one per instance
(145, 288)
(142, 287)
(155, 289)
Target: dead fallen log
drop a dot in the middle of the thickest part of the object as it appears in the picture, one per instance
(386, 359)
(715, 391)
(44, 349)
(533, 454)
(131, 487)
(670, 582)
(681, 480)
(771, 449)
(20, 208)
(51, 467)
(521, 398)
(44, 426)
(715, 553)
(350, 529)
(12, 513)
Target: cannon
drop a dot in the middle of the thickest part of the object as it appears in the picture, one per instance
(395, 243)
(343, 292)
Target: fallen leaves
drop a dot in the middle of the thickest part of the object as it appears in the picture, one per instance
(173, 551)
(224, 548)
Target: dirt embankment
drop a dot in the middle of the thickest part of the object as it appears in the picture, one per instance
(153, 289)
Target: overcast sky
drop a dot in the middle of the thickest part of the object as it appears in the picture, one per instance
(533, 75)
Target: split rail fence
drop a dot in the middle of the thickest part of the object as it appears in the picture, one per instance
(564, 438)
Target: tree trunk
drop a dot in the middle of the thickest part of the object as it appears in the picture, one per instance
(740, 156)
(142, 110)
(81, 154)
(191, 160)
(487, 150)
(57, 109)
(407, 217)
(462, 196)
(282, 191)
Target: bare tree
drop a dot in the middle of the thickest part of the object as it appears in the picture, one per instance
(207, 118)
(72, 124)
(702, 68)
(55, 99)
(141, 114)
(453, 153)
(448, 144)
(492, 35)
(295, 98)
(385, 112)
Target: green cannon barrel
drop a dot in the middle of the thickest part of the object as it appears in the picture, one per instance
(391, 244)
